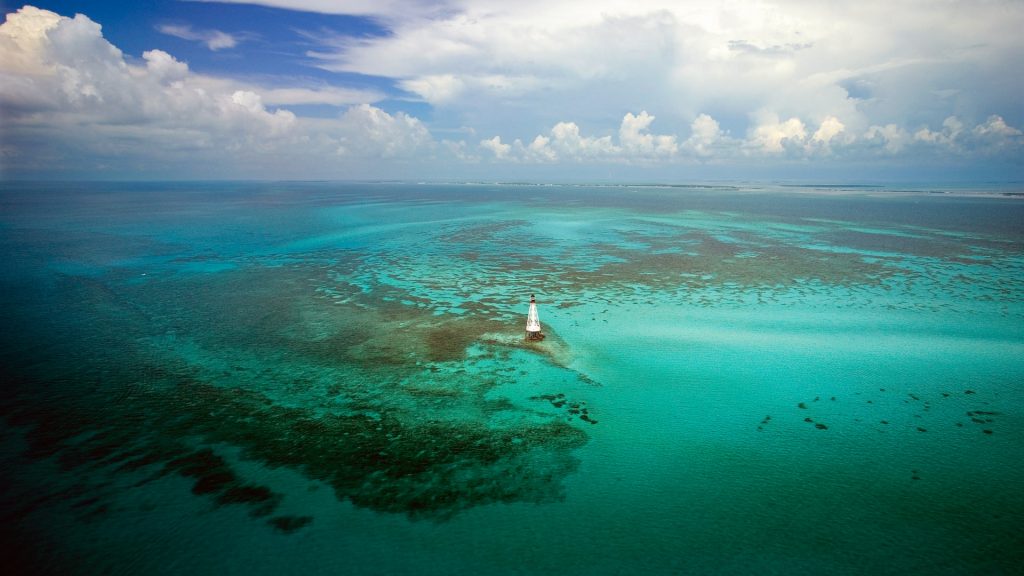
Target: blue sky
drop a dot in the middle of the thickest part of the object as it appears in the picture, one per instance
(647, 90)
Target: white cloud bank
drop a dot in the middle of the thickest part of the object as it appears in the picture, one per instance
(867, 62)
(769, 138)
(565, 143)
(817, 89)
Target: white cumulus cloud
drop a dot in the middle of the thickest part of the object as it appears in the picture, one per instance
(995, 126)
(495, 146)
(772, 136)
(367, 130)
(635, 138)
(164, 67)
(951, 129)
(706, 136)
(829, 129)
(891, 137)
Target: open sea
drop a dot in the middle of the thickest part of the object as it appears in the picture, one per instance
(332, 378)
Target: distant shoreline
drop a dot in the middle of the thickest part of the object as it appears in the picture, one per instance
(1011, 190)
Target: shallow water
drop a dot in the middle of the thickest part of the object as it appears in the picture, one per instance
(225, 377)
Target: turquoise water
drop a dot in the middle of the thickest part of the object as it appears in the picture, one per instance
(332, 378)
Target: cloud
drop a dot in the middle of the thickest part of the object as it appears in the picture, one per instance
(791, 138)
(830, 128)
(634, 138)
(952, 127)
(991, 136)
(214, 39)
(566, 142)
(995, 127)
(79, 78)
(163, 67)
(540, 150)
(868, 63)
(495, 146)
(996, 137)
(773, 136)
(459, 150)
(539, 79)
(436, 89)
(370, 131)
(891, 137)
(706, 136)
(67, 95)
(329, 95)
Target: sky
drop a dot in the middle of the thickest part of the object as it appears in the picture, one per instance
(532, 90)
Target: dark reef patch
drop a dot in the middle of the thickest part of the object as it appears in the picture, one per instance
(289, 524)
(428, 469)
(210, 471)
(916, 415)
(448, 343)
(245, 494)
(572, 408)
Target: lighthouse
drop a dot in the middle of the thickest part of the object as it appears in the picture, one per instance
(533, 322)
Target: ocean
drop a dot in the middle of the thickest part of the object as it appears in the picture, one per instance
(332, 377)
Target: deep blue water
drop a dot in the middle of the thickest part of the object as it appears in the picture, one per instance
(331, 377)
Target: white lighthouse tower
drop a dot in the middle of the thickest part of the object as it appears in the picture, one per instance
(533, 322)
